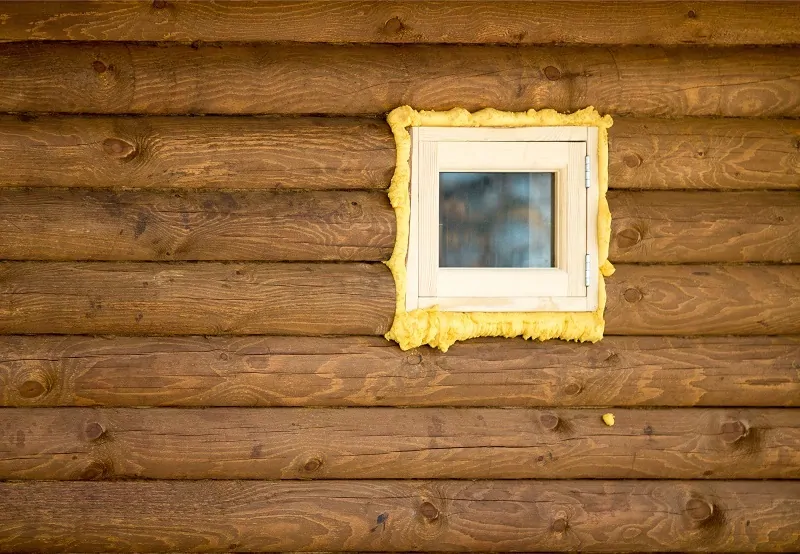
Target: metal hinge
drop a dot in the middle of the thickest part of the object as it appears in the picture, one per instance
(588, 172)
(588, 268)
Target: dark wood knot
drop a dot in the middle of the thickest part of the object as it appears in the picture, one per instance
(628, 237)
(394, 26)
(733, 431)
(560, 525)
(552, 73)
(99, 66)
(632, 160)
(32, 389)
(572, 389)
(97, 470)
(159, 4)
(429, 511)
(94, 431)
(549, 421)
(312, 465)
(414, 359)
(633, 295)
(119, 148)
(692, 14)
(699, 510)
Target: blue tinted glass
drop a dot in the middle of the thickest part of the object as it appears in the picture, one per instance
(496, 219)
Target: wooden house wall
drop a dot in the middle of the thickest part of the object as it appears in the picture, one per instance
(192, 220)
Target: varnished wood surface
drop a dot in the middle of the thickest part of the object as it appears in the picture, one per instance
(236, 78)
(703, 300)
(704, 227)
(196, 152)
(358, 153)
(406, 22)
(195, 298)
(414, 443)
(702, 153)
(81, 224)
(370, 371)
(212, 516)
(307, 299)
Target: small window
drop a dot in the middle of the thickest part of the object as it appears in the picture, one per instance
(503, 219)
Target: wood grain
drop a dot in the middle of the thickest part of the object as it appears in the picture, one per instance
(200, 298)
(703, 300)
(414, 443)
(339, 79)
(406, 22)
(698, 153)
(196, 152)
(704, 227)
(371, 371)
(81, 224)
(250, 516)
(358, 153)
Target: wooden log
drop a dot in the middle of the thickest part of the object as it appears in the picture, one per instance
(405, 22)
(703, 300)
(251, 516)
(696, 153)
(370, 371)
(356, 153)
(301, 79)
(705, 227)
(202, 298)
(391, 443)
(195, 152)
(80, 224)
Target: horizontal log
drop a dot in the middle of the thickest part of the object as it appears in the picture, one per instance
(698, 153)
(405, 22)
(195, 152)
(392, 443)
(236, 78)
(703, 300)
(201, 298)
(370, 371)
(704, 227)
(251, 516)
(358, 153)
(306, 299)
(80, 224)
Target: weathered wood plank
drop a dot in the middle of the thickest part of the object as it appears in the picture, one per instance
(356, 153)
(253, 298)
(201, 298)
(215, 516)
(196, 152)
(370, 371)
(704, 227)
(703, 300)
(406, 22)
(698, 153)
(298, 79)
(391, 443)
(80, 224)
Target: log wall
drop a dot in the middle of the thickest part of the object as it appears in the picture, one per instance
(193, 216)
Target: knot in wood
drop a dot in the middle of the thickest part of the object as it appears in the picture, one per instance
(733, 431)
(560, 525)
(632, 160)
(699, 510)
(159, 4)
(414, 359)
(552, 73)
(312, 465)
(97, 470)
(549, 421)
(119, 148)
(94, 431)
(633, 295)
(572, 389)
(99, 66)
(628, 237)
(32, 388)
(692, 14)
(429, 511)
(394, 26)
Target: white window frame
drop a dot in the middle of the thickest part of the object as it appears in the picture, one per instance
(570, 286)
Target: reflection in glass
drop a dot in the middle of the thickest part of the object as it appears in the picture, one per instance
(496, 219)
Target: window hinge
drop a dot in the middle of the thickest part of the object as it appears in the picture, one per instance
(588, 268)
(588, 171)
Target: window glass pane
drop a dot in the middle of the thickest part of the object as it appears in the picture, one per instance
(496, 219)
